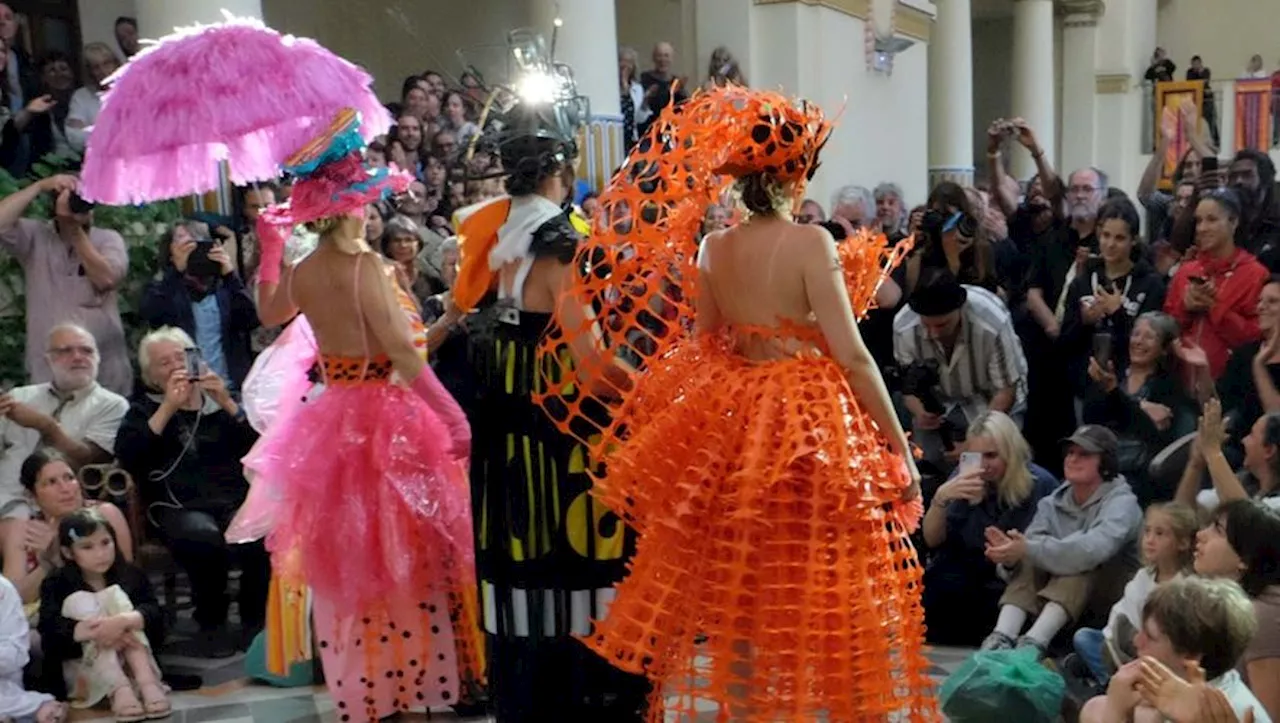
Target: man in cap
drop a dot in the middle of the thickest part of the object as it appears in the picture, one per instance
(1082, 538)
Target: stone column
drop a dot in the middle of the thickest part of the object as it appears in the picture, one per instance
(1079, 83)
(1033, 78)
(951, 94)
(157, 18)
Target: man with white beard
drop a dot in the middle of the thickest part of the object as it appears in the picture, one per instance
(72, 414)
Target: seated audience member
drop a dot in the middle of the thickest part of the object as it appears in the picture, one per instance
(1193, 629)
(92, 564)
(72, 414)
(182, 441)
(199, 291)
(1109, 296)
(1258, 480)
(1081, 536)
(71, 271)
(961, 336)
(961, 588)
(16, 702)
(1250, 386)
(1214, 296)
(1243, 544)
(1168, 542)
(1144, 401)
(31, 553)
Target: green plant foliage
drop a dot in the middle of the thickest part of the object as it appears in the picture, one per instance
(141, 227)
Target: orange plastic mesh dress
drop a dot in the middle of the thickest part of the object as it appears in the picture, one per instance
(765, 498)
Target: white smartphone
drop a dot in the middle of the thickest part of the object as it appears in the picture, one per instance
(970, 462)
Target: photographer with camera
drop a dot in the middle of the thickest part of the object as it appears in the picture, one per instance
(199, 291)
(961, 358)
(70, 273)
(182, 440)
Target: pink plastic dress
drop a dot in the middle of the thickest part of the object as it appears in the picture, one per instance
(358, 497)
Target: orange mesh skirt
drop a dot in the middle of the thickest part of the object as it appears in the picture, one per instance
(766, 503)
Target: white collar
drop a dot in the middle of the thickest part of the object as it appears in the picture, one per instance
(516, 234)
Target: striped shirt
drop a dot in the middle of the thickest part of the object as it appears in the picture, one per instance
(987, 357)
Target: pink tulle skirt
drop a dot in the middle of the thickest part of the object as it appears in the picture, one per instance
(362, 495)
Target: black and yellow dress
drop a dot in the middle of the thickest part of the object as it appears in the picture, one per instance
(547, 553)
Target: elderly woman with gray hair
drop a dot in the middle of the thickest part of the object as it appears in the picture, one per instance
(416, 255)
(1144, 403)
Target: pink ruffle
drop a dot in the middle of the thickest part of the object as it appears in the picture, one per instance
(366, 496)
(236, 92)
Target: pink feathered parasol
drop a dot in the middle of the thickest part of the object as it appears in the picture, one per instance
(237, 91)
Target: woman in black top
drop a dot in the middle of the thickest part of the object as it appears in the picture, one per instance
(1106, 299)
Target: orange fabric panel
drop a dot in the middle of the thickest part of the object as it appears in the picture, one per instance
(477, 235)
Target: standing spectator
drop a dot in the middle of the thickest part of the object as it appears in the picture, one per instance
(247, 250)
(71, 271)
(964, 336)
(435, 82)
(961, 588)
(724, 70)
(1161, 69)
(890, 211)
(454, 118)
(952, 238)
(811, 212)
(1214, 296)
(635, 113)
(1160, 205)
(1250, 386)
(1081, 534)
(852, 208)
(1106, 299)
(182, 440)
(100, 61)
(658, 81)
(202, 294)
(1254, 68)
(854, 204)
(401, 244)
(71, 414)
(406, 140)
(58, 81)
(23, 82)
(127, 36)
(1198, 72)
(1253, 176)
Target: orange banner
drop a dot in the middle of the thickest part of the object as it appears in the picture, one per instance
(1253, 114)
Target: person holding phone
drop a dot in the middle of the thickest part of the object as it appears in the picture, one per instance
(1103, 302)
(199, 291)
(1145, 400)
(996, 486)
(1214, 297)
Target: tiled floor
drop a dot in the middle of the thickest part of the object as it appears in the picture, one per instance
(238, 701)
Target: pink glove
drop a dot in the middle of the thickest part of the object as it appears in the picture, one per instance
(428, 386)
(271, 251)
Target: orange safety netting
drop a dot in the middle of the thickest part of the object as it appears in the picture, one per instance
(766, 500)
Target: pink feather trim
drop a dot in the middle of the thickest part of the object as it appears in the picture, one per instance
(237, 92)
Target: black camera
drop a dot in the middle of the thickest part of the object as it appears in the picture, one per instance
(936, 223)
(921, 380)
(78, 205)
(199, 265)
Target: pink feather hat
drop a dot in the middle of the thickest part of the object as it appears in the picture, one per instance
(237, 92)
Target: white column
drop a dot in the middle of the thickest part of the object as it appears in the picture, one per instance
(588, 42)
(951, 94)
(157, 18)
(1079, 83)
(1033, 78)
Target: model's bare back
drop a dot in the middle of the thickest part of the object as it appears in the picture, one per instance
(756, 272)
(324, 288)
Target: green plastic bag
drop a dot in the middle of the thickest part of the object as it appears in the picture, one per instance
(1007, 685)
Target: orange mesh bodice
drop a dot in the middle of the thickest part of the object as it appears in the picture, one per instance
(350, 370)
(767, 501)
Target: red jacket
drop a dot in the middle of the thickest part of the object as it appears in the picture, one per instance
(1233, 320)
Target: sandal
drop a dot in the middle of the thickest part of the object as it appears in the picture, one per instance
(157, 705)
(125, 706)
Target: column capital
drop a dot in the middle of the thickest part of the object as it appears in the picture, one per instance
(1081, 13)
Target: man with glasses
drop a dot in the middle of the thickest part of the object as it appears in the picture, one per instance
(71, 413)
(71, 271)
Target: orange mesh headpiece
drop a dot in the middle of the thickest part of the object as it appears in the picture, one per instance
(774, 135)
